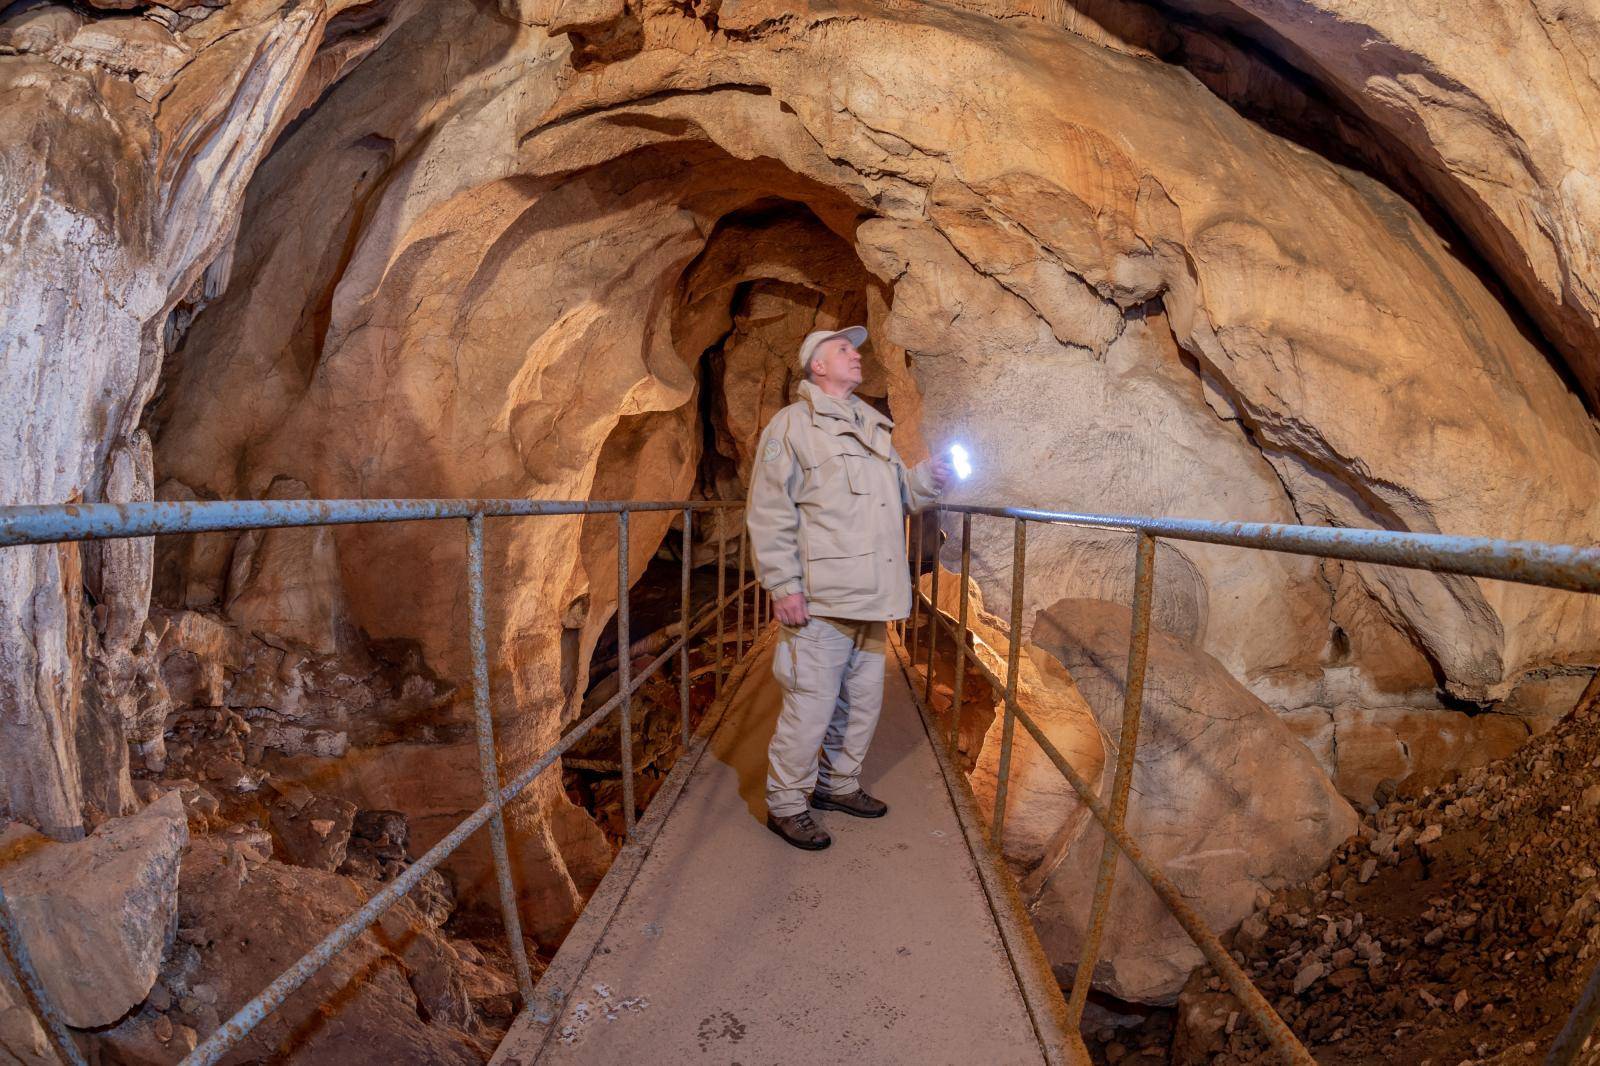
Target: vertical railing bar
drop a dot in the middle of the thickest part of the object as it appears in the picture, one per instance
(899, 628)
(961, 638)
(1132, 705)
(488, 765)
(1272, 1026)
(28, 980)
(933, 610)
(683, 608)
(916, 585)
(625, 673)
(738, 628)
(722, 591)
(1013, 660)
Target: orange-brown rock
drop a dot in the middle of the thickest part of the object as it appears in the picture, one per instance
(98, 914)
(1361, 748)
(558, 250)
(1223, 798)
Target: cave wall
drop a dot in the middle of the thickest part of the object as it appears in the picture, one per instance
(1075, 292)
(1491, 107)
(508, 327)
(475, 249)
(126, 143)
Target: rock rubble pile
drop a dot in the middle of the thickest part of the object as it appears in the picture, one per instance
(228, 875)
(1457, 925)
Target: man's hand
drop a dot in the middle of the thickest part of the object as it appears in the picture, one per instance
(791, 609)
(943, 472)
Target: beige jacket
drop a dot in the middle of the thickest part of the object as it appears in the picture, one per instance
(826, 512)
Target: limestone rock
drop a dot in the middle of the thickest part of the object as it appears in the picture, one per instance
(285, 583)
(361, 1008)
(97, 914)
(126, 145)
(385, 779)
(1052, 258)
(1200, 1031)
(1361, 747)
(1223, 797)
(23, 1041)
(1490, 106)
(312, 829)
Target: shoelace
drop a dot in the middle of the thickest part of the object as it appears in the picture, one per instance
(803, 821)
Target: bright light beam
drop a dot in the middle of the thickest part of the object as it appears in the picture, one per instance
(960, 460)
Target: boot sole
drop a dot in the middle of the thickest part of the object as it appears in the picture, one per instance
(830, 805)
(803, 845)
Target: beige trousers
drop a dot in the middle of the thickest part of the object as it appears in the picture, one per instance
(831, 673)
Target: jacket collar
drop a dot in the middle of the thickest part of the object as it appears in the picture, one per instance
(838, 416)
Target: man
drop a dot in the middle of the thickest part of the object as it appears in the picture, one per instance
(827, 500)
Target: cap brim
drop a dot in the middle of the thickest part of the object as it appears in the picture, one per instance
(857, 335)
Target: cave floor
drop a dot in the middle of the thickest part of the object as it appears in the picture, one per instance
(729, 946)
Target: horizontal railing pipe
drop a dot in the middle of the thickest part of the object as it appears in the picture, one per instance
(52, 523)
(1558, 566)
(1528, 562)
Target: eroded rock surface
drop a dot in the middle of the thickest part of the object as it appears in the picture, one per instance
(398, 992)
(571, 258)
(128, 141)
(1493, 105)
(1223, 798)
(1043, 813)
(97, 915)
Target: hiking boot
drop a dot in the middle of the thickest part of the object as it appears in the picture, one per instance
(801, 830)
(857, 803)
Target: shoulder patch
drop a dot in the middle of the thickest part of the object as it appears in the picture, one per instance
(770, 452)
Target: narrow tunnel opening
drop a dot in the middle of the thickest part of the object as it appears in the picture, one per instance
(768, 274)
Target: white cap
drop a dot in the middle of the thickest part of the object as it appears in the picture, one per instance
(808, 347)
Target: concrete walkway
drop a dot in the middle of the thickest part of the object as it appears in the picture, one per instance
(728, 946)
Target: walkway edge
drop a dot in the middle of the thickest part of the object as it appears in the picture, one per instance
(1041, 994)
(534, 1026)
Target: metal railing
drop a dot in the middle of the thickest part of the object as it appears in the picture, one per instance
(1550, 565)
(58, 523)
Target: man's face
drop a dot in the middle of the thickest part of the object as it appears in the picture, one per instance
(837, 361)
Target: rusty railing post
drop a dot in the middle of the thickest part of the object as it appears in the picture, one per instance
(961, 638)
(1013, 658)
(722, 593)
(933, 612)
(1132, 704)
(916, 585)
(487, 763)
(625, 673)
(738, 628)
(899, 628)
(683, 610)
(1580, 1023)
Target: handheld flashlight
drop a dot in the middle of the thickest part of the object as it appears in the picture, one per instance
(960, 460)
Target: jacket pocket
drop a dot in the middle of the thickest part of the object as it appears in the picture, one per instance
(857, 473)
(837, 571)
